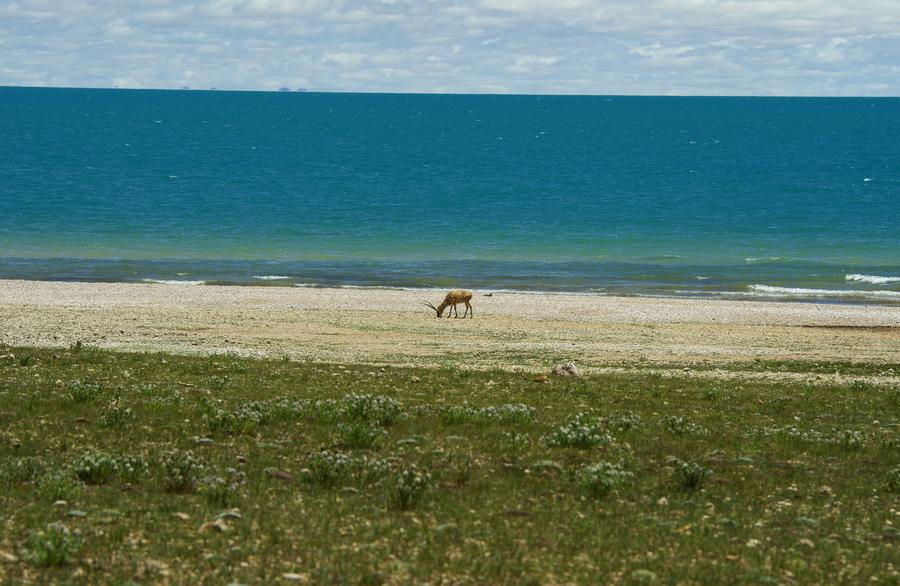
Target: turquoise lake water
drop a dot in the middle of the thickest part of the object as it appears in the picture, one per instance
(793, 198)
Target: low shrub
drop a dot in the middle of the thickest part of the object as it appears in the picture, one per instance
(132, 468)
(602, 478)
(584, 430)
(893, 479)
(410, 486)
(22, 469)
(53, 546)
(371, 471)
(242, 419)
(507, 413)
(182, 470)
(222, 491)
(83, 392)
(115, 415)
(679, 425)
(851, 440)
(691, 475)
(327, 467)
(95, 468)
(359, 435)
(377, 409)
(56, 485)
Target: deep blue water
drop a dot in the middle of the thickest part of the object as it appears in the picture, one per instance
(637, 195)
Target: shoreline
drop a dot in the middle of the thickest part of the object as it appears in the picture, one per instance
(772, 279)
(876, 298)
(885, 298)
(388, 326)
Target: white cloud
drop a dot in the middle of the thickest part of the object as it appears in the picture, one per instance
(532, 46)
(834, 51)
(345, 59)
(536, 6)
(529, 60)
(657, 51)
(279, 7)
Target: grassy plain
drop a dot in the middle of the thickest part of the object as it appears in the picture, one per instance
(156, 468)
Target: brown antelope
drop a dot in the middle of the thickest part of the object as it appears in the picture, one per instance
(452, 298)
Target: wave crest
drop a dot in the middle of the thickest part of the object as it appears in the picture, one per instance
(172, 282)
(810, 293)
(767, 259)
(874, 279)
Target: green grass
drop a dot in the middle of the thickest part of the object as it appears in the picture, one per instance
(812, 367)
(214, 470)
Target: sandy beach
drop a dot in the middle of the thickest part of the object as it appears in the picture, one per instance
(510, 330)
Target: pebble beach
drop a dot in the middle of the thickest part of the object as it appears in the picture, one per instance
(530, 332)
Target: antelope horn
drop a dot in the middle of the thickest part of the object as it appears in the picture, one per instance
(430, 305)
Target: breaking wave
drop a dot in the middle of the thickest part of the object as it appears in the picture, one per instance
(172, 282)
(813, 293)
(874, 279)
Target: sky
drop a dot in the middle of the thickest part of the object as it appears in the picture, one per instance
(641, 47)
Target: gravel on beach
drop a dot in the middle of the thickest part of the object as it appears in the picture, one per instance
(509, 330)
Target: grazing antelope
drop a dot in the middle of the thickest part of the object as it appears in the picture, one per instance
(452, 298)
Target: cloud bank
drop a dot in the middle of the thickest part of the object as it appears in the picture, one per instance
(709, 47)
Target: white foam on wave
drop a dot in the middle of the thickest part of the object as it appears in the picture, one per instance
(802, 292)
(443, 290)
(270, 277)
(759, 259)
(874, 279)
(363, 287)
(593, 292)
(172, 282)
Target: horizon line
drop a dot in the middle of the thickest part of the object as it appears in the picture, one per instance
(286, 90)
